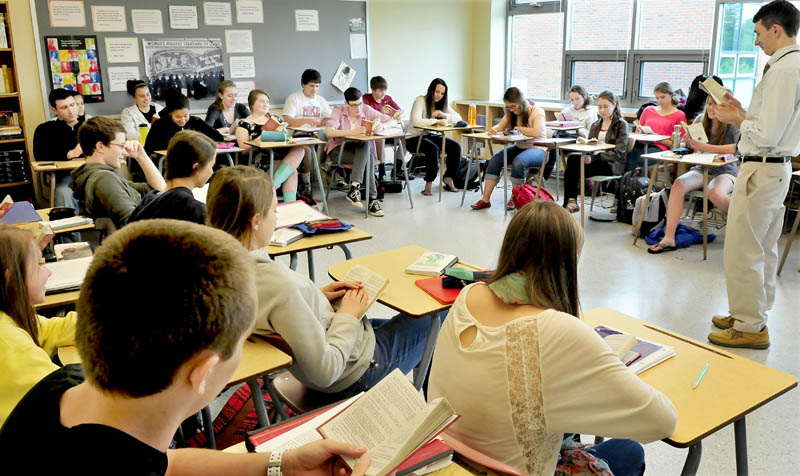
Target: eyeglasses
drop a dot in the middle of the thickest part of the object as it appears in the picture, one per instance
(355, 105)
(122, 146)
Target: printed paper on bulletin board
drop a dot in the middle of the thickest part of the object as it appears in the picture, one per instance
(74, 64)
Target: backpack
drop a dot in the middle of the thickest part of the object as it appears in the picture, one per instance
(463, 176)
(631, 186)
(525, 193)
(654, 213)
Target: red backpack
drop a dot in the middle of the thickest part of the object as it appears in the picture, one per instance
(522, 194)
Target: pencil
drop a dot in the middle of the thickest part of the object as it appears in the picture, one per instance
(700, 377)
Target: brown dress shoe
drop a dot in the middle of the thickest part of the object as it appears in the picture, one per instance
(733, 338)
(723, 322)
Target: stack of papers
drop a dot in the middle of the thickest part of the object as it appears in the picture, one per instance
(69, 222)
(292, 213)
(67, 275)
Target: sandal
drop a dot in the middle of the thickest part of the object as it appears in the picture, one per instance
(572, 206)
(450, 188)
(427, 193)
(663, 248)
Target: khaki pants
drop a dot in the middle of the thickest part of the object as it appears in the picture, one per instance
(751, 242)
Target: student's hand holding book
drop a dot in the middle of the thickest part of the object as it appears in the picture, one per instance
(354, 302)
(322, 458)
(337, 289)
(438, 115)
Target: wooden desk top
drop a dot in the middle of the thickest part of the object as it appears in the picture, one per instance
(438, 128)
(230, 150)
(586, 148)
(259, 357)
(556, 141)
(497, 138)
(647, 137)
(564, 128)
(678, 160)
(46, 166)
(281, 145)
(401, 294)
(374, 137)
(59, 299)
(322, 240)
(733, 386)
(43, 214)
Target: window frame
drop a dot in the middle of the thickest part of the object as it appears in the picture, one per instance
(663, 56)
(612, 56)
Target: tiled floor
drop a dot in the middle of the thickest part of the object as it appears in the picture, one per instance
(676, 290)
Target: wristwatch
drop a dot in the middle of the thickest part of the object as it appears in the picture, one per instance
(274, 464)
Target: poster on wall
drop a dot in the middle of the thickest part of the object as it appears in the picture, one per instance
(74, 64)
(191, 66)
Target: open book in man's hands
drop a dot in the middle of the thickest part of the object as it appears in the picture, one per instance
(391, 420)
(374, 285)
(715, 90)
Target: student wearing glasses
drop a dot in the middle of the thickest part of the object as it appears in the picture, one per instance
(347, 120)
(97, 185)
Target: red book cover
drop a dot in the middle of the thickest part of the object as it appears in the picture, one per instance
(429, 453)
(271, 125)
(369, 126)
(433, 286)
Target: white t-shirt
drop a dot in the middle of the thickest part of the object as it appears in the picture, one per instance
(299, 106)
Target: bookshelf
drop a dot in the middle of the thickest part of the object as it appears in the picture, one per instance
(15, 169)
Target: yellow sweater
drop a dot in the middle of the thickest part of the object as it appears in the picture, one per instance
(22, 362)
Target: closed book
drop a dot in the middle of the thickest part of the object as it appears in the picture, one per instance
(20, 212)
(6, 205)
(8, 79)
(368, 126)
(285, 236)
(433, 286)
(432, 263)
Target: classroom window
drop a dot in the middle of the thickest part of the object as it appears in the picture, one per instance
(537, 54)
(678, 74)
(675, 24)
(599, 76)
(600, 24)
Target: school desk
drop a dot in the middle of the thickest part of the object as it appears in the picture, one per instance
(58, 300)
(321, 240)
(660, 159)
(43, 214)
(52, 168)
(226, 152)
(732, 388)
(646, 140)
(311, 143)
(585, 150)
(401, 294)
(552, 144)
(795, 178)
(443, 155)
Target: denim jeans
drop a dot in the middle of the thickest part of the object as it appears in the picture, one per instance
(624, 457)
(520, 160)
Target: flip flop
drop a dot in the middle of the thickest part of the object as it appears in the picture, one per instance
(449, 188)
(664, 249)
(427, 194)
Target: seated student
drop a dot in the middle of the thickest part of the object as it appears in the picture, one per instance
(335, 351)
(189, 164)
(661, 119)
(224, 111)
(723, 138)
(306, 107)
(426, 111)
(346, 120)
(143, 112)
(27, 341)
(287, 159)
(58, 140)
(517, 363)
(147, 366)
(528, 120)
(611, 128)
(380, 101)
(97, 184)
(80, 108)
(175, 118)
(581, 109)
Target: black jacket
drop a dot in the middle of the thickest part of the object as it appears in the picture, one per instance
(216, 119)
(617, 134)
(165, 128)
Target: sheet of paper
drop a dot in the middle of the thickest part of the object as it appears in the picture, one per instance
(239, 41)
(296, 212)
(183, 17)
(147, 21)
(243, 89)
(109, 18)
(249, 11)
(243, 66)
(119, 75)
(343, 77)
(201, 193)
(306, 20)
(699, 158)
(67, 274)
(217, 13)
(67, 13)
(122, 49)
(358, 46)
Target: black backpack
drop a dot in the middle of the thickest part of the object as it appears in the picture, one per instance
(632, 186)
(463, 176)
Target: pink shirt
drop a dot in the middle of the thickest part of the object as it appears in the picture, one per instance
(663, 125)
(340, 120)
(378, 105)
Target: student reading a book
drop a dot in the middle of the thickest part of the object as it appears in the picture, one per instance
(175, 118)
(97, 184)
(662, 119)
(147, 367)
(287, 159)
(336, 352)
(143, 112)
(723, 138)
(57, 140)
(348, 119)
(189, 164)
(516, 362)
(581, 109)
(380, 101)
(27, 341)
(430, 109)
(225, 111)
(611, 128)
(524, 118)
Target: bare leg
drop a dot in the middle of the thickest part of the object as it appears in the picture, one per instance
(720, 193)
(683, 185)
(488, 188)
(293, 158)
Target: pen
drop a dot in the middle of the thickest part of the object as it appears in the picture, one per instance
(700, 377)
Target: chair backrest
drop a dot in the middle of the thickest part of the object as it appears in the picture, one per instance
(631, 144)
(278, 341)
(479, 459)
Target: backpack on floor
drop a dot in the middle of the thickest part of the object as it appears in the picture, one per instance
(654, 213)
(631, 186)
(525, 193)
(470, 177)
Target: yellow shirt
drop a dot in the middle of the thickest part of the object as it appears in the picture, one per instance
(22, 362)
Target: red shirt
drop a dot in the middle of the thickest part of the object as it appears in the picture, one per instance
(663, 125)
(378, 105)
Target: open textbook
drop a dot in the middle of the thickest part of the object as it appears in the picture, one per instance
(696, 132)
(67, 275)
(650, 353)
(715, 90)
(292, 213)
(374, 285)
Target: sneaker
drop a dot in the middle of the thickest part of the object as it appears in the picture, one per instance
(375, 208)
(723, 322)
(510, 205)
(733, 338)
(354, 197)
(480, 205)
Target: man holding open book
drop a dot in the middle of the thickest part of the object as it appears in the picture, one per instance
(770, 137)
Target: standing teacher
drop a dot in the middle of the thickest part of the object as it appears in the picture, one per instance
(770, 137)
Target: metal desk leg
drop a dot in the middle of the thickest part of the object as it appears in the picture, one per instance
(310, 256)
(367, 177)
(275, 400)
(258, 403)
(646, 161)
(230, 159)
(53, 187)
(293, 261)
(693, 459)
(208, 428)
(271, 163)
(315, 164)
(557, 169)
(469, 166)
(442, 162)
(405, 170)
(250, 155)
(740, 435)
(424, 364)
(583, 188)
(644, 205)
(505, 180)
(705, 212)
(789, 242)
(347, 254)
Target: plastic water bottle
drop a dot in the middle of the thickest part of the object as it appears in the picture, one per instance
(143, 130)
(472, 116)
(676, 137)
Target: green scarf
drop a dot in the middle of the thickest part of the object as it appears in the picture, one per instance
(511, 289)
